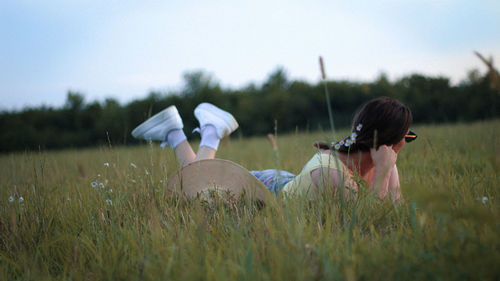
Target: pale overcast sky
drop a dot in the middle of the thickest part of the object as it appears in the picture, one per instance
(124, 49)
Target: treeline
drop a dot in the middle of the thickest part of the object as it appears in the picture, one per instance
(293, 104)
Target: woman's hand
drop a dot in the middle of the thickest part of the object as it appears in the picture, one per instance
(384, 156)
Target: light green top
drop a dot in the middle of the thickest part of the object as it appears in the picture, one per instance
(303, 184)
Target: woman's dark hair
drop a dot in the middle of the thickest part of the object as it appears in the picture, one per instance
(384, 121)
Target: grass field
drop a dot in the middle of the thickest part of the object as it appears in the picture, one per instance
(103, 214)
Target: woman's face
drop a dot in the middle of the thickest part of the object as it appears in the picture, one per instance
(398, 146)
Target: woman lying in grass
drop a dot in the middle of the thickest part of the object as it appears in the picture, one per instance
(382, 123)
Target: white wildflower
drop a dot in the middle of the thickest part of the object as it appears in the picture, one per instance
(109, 202)
(94, 184)
(106, 164)
(133, 165)
(483, 199)
(21, 199)
(11, 199)
(101, 185)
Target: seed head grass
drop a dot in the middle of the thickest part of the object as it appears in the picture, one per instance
(104, 214)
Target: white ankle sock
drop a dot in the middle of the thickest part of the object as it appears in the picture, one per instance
(174, 138)
(209, 137)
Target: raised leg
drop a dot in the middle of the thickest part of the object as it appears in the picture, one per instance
(209, 143)
(205, 152)
(166, 126)
(177, 140)
(215, 124)
(185, 154)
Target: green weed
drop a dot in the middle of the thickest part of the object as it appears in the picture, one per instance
(104, 214)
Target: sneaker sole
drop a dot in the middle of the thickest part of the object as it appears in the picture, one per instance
(153, 121)
(223, 115)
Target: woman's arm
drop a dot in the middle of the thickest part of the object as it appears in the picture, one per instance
(384, 159)
(394, 186)
(332, 178)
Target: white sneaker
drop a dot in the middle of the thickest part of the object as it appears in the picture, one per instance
(157, 126)
(209, 114)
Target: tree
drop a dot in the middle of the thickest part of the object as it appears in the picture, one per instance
(196, 81)
(277, 80)
(74, 101)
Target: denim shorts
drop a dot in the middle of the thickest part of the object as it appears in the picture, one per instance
(273, 179)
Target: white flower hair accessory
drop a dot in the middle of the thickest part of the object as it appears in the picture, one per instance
(347, 142)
